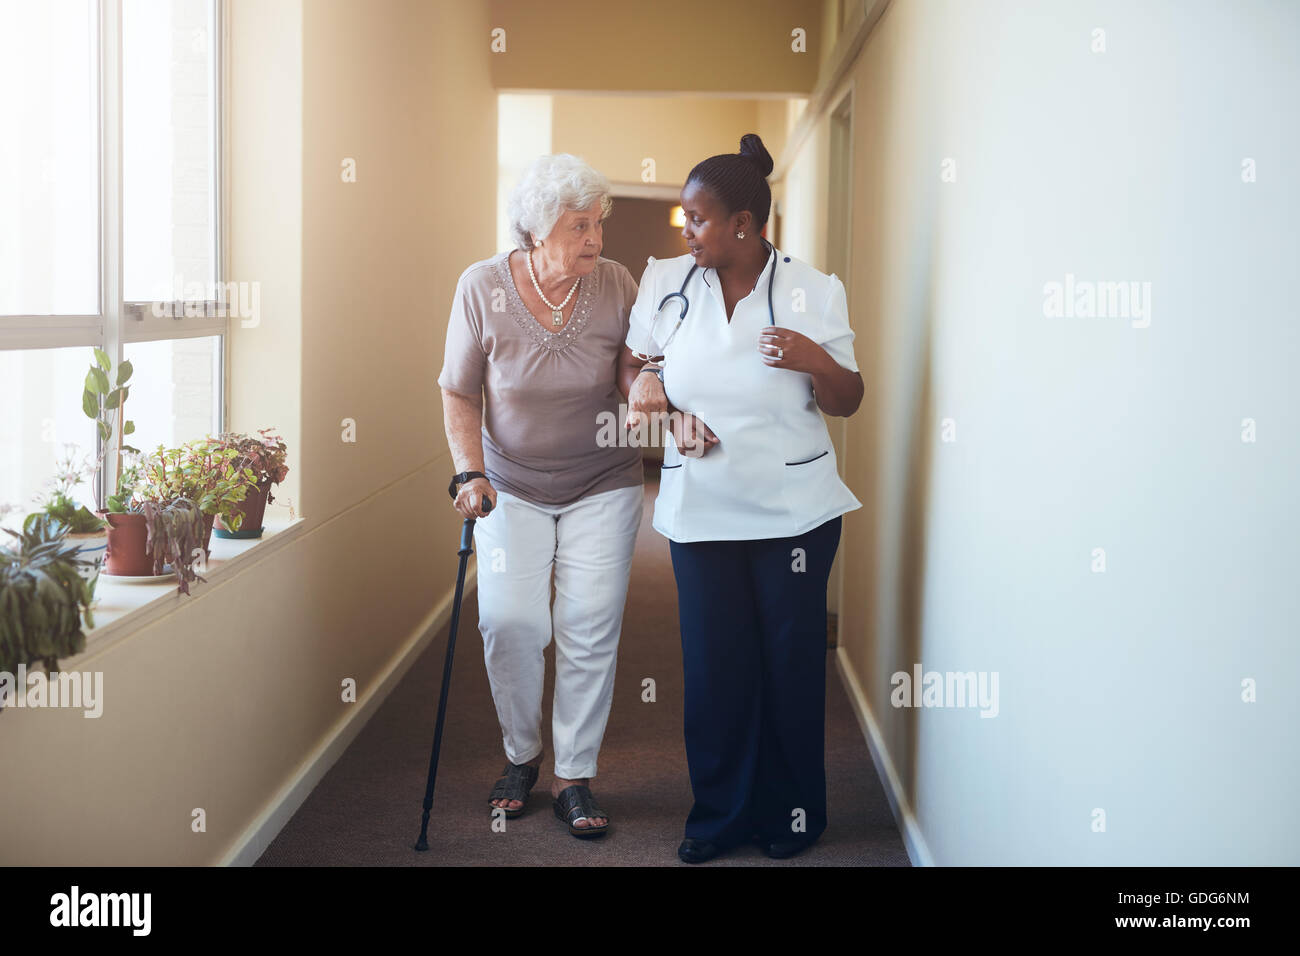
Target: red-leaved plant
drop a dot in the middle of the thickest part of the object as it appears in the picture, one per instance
(264, 456)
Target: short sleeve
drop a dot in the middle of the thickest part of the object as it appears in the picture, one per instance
(639, 319)
(628, 294)
(464, 360)
(837, 335)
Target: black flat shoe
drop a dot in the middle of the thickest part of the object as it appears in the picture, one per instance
(697, 851)
(575, 803)
(783, 849)
(516, 782)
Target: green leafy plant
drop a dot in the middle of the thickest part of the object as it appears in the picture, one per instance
(59, 503)
(77, 517)
(205, 472)
(128, 479)
(105, 404)
(43, 598)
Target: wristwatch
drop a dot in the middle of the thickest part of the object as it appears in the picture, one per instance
(657, 369)
(460, 479)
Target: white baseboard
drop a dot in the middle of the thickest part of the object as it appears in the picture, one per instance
(913, 840)
(253, 842)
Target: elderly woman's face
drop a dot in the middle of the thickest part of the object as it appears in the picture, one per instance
(575, 243)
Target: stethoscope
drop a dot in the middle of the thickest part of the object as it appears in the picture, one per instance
(686, 303)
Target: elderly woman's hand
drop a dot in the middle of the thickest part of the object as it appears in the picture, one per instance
(469, 499)
(646, 400)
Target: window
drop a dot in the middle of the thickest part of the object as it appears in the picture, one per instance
(110, 219)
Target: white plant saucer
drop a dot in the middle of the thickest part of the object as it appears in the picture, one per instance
(138, 579)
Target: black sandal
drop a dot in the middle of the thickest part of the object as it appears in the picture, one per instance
(515, 783)
(576, 803)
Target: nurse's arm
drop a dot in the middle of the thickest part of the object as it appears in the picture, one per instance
(837, 390)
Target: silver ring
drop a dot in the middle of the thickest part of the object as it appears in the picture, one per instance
(780, 354)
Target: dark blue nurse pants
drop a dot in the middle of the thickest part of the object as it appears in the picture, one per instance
(754, 655)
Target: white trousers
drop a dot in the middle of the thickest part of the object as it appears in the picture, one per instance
(588, 544)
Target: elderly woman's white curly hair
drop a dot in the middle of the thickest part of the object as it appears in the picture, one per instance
(551, 185)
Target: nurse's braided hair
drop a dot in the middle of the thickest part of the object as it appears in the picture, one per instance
(739, 180)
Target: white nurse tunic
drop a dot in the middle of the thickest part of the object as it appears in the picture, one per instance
(773, 473)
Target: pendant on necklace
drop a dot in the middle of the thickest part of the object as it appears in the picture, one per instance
(557, 316)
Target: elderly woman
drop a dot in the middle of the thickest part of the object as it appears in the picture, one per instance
(530, 370)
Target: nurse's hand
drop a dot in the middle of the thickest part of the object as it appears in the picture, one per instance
(469, 497)
(646, 401)
(693, 437)
(788, 349)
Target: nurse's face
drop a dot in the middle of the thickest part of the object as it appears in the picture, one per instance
(574, 244)
(710, 230)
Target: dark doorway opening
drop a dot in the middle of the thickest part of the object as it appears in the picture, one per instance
(639, 228)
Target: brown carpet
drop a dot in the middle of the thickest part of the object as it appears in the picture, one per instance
(366, 810)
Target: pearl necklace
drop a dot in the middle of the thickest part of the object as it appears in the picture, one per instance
(557, 311)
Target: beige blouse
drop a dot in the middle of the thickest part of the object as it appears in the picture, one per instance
(544, 392)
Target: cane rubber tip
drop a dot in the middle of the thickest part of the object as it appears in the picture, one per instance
(422, 844)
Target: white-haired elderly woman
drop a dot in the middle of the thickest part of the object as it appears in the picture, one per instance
(528, 377)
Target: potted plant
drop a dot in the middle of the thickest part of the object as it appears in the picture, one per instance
(155, 531)
(43, 597)
(104, 402)
(205, 472)
(127, 554)
(165, 505)
(87, 532)
(266, 456)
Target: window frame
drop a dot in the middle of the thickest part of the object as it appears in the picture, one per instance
(120, 322)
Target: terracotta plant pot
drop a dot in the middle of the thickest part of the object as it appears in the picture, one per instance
(253, 508)
(126, 554)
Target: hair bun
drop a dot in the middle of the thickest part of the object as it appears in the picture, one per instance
(752, 148)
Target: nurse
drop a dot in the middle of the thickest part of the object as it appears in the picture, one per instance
(750, 499)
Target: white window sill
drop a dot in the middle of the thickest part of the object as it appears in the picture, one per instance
(121, 608)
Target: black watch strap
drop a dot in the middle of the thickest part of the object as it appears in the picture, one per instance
(460, 479)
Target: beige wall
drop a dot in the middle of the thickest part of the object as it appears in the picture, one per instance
(225, 701)
(720, 46)
(264, 140)
(617, 133)
(803, 191)
(382, 255)
(773, 124)
(1119, 691)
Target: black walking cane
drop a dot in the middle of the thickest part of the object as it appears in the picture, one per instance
(466, 549)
